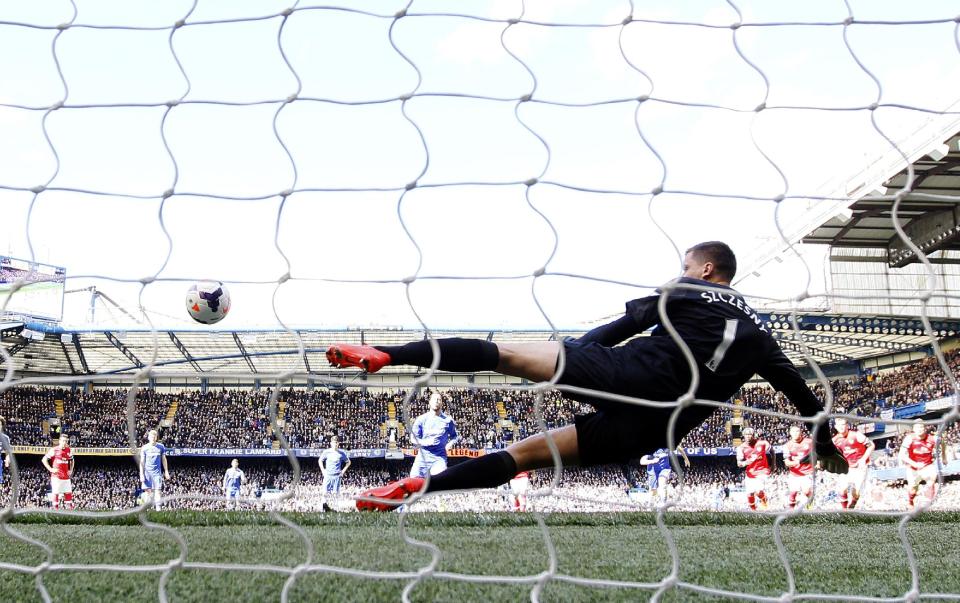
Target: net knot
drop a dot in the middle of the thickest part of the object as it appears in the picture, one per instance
(410, 186)
(286, 193)
(172, 103)
(167, 193)
(400, 14)
(409, 279)
(540, 271)
(779, 198)
(822, 417)
(760, 107)
(41, 568)
(873, 106)
(63, 26)
(526, 98)
(686, 400)
(627, 20)
(656, 190)
(735, 26)
(283, 278)
(848, 21)
(38, 189)
(148, 280)
(179, 23)
(911, 595)
(286, 12)
(643, 98)
(530, 182)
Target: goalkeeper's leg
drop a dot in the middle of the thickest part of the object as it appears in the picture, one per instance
(488, 471)
(536, 361)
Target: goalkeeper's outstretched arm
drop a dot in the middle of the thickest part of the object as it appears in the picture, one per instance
(784, 377)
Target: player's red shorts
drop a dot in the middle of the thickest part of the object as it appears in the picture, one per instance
(60, 486)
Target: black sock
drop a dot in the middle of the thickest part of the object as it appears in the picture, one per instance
(456, 355)
(488, 471)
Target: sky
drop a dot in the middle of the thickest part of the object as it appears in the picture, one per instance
(615, 114)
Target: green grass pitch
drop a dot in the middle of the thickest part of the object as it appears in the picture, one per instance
(830, 554)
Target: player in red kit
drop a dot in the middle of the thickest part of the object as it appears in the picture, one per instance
(519, 486)
(59, 462)
(796, 456)
(917, 455)
(856, 448)
(752, 456)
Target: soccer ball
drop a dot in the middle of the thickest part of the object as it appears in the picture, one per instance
(208, 302)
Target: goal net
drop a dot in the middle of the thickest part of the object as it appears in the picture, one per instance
(432, 167)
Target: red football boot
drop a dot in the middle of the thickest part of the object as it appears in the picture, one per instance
(399, 491)
(369, 358)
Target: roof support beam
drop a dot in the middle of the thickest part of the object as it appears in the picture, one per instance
(123, 349)
(306, 360)
(63, 346)
(12, 350)
(183, 350)
(243, 352)
(83, 359)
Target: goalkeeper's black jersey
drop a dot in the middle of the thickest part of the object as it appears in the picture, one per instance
(726, 337)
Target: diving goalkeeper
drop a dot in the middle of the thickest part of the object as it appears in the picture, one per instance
(728, 340)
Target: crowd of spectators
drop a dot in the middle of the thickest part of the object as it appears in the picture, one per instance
(221, 419)
(357, 417)
(485, 418)
(25, 410)
(98, 419)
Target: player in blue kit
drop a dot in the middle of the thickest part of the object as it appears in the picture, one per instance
(153, 467)
(434, 432)
(333, 464)
(659, 471)
(232, 480)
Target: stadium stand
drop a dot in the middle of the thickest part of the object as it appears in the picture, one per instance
(238, 418)
(486, 419)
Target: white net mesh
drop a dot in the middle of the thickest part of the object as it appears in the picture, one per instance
(496, 152)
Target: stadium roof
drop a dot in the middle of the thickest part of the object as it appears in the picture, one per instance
(37, 348)
(929, 213)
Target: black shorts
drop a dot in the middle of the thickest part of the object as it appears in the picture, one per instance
(620, 431)
(605, 437)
